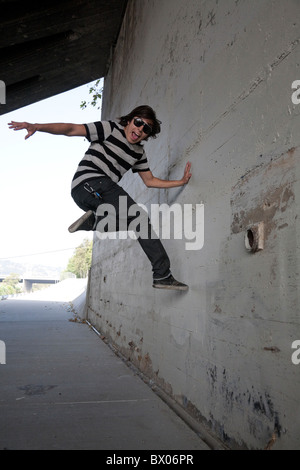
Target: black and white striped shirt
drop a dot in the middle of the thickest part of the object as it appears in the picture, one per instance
(109, 153)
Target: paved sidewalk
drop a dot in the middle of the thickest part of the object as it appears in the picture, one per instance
(63, 388)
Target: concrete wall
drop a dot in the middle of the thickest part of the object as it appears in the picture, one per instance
(219, 75)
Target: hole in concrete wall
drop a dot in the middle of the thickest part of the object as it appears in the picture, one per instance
(254, 237)
(250, 238)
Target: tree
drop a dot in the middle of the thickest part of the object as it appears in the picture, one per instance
(96, 92)
(6, 289)
(10, 285)
(81, 261)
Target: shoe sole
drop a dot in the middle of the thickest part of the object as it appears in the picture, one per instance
(75, 226)
(183, 288)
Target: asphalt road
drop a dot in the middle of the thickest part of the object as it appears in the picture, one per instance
(63, 388)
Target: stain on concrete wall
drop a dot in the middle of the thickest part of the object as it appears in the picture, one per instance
(219, 75)
(265, 194)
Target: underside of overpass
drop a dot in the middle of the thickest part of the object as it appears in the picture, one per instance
(53, 46)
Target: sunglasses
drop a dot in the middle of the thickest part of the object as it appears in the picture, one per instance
(138, 122)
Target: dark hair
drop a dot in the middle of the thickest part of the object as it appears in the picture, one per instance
(144, 112)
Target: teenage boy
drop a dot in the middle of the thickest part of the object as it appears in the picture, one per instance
(115, 147)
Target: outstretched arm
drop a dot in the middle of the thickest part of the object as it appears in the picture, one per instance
(152, 182)
(59, 128)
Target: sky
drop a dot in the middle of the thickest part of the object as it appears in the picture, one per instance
(36, 207)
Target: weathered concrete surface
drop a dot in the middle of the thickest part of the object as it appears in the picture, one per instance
(219, 75)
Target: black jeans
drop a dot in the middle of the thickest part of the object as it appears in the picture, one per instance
(110, 193)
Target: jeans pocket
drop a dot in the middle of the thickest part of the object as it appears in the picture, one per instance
(102, 184)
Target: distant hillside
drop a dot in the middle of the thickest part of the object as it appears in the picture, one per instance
(7, 267)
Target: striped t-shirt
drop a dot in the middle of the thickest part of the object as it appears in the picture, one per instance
(109, 153)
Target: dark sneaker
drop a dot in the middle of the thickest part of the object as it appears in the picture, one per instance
(85, 222)
(169, 283)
